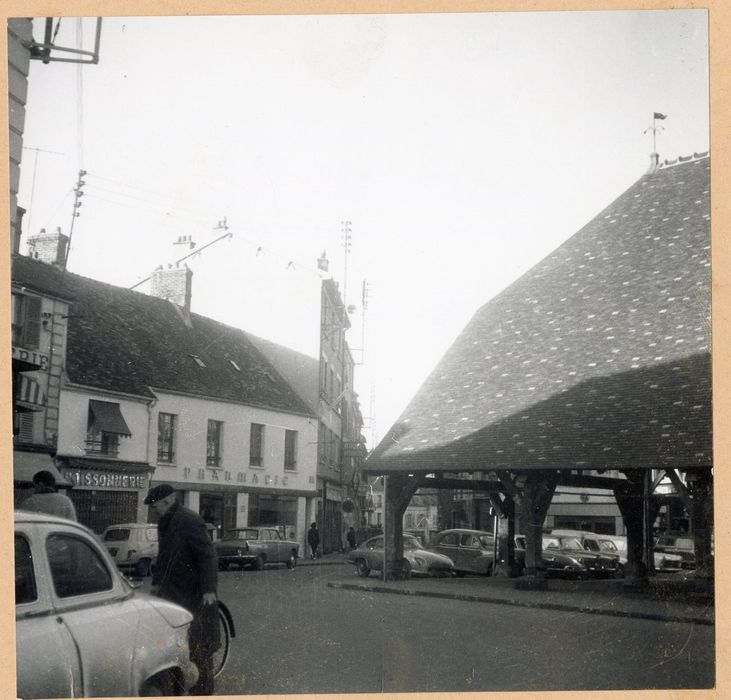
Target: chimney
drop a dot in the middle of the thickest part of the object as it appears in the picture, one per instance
(322, 262)
(654, 162)
(17, 229)
(174, 284)
(49, 248)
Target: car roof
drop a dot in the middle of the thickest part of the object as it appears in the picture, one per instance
(465, 530)
(27, 516)
(129, 525)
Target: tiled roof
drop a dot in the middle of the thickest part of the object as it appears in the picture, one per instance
(126, 341)
(300, 370)
(597, 358)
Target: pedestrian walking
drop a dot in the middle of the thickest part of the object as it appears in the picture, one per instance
(187, 573)
(313, 539)
(351, 538)
(46, 498)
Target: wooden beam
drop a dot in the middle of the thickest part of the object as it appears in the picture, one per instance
(680, 488)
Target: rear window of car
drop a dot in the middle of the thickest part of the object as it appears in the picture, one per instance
(243, 535)
(119, 534)
(25, 580)
(76, 567)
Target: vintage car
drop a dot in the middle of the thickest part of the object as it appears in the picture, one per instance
(256, 547)
(133, 546)
(597, 564)
(81, 629)
(418, 561)
(677, 545)
(472, 551)
(559, 564)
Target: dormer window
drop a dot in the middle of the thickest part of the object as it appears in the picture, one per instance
(198, 361)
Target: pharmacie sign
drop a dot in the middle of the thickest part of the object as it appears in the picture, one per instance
(105, 479)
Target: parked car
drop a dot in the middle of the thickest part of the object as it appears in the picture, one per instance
(596, 544)
(81, 629)
(472, 551)
(680, 545)
(133, 546)
(561, 564)
(369, 555)
(256, 547)
(664, 561)
(596, 564)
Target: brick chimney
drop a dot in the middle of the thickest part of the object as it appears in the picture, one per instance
(174, 284)
(322, 262)
(49, 248)
(654, 162)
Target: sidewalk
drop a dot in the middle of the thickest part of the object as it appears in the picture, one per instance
(670, 598)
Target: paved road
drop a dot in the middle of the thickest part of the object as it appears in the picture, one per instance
(296, 635)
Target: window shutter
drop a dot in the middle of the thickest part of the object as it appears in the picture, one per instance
(32, 330)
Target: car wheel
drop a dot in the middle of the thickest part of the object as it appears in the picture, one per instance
(362, 568)
(161, 685)
(259, 563)
(406, 567)
(459, 574)
(619, 573)
(488, 569)
(143, 568)
(292, 561)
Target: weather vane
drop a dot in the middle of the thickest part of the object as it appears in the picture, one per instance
(654, 129)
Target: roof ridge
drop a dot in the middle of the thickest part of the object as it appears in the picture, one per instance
(681, 160)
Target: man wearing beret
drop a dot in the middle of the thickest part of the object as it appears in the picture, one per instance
(187, 573)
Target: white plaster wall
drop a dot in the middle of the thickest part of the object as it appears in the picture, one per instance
(190, 448)
(73, 420)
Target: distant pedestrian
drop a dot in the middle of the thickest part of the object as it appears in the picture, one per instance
(46, 499)
(351, 538)
(187, 574)
(313, 539)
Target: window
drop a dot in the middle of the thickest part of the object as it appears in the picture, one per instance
(26, 320)
(104, 426)
(76, 568)
(290, 449)
(256, 445)
(213, 443)
(166, 423)
(25, 581)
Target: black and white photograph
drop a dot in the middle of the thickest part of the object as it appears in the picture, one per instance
(362, 352)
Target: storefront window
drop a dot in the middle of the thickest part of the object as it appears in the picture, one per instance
(256, 445)
(290, 449)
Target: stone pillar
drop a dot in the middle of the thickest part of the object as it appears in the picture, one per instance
(506, 539)
(242, 509)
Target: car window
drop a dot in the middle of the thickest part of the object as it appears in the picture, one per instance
(450, 539)
(486, 541)
(375, 543)
(243, 535)
(25, 580)
(570, 543)
(76, 567)
(591, 545)
(411, 543)
(551, 543)
(608, 546)
(118, 534)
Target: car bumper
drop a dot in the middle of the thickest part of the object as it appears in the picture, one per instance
(237, 559)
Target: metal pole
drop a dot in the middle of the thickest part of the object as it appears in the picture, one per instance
(385, 513)
(494, 543)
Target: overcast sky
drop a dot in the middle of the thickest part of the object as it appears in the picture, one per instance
(462, 148)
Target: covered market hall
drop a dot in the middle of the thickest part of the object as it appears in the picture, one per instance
(593, 369)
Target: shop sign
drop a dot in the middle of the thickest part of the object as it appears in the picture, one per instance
(105, 480)
(30, 356)
(221, 476)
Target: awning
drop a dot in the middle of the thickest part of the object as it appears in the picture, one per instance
(26, 464)
(108, 418)
(30, 394)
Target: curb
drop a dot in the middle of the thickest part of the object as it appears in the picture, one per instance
(524, 604)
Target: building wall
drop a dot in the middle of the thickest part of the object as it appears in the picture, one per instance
(19, 31)
(74, 410)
